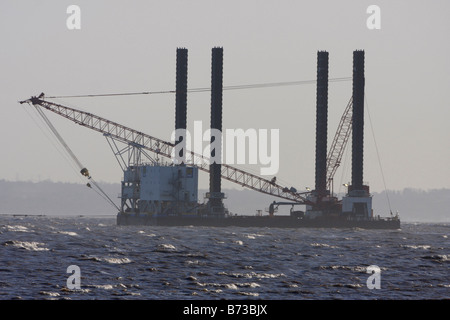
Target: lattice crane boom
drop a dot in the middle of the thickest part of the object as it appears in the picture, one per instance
(339, 142)
(161, 147)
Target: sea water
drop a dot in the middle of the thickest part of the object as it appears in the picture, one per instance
(148, 262)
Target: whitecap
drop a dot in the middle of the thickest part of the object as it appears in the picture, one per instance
(231, 286)
(351, 285)
(165, 247)
(133, 293)
(31, 246)
(103, 286)
(355, 285)
(236, 274)
(92, 258)
(239, 242)
(250, 275)
(65, 289)
(249, 284)
(208, 290)
(69, 233)
(252, 294)
(438, 257)
(253, 235)
(323, 245)
(113, 260)
(17, 228)
(269, 275)
(362, 269)
(51, 294)
(351, 268)
(424, 247)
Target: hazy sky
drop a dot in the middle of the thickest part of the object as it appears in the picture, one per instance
(130, 46)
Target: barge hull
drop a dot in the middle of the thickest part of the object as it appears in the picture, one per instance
(257, 221)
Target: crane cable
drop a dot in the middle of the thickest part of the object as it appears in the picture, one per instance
(206, 89)
(83, 169)
(378, 155)
(49, 137)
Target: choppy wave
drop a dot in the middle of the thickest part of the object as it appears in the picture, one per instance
(112, 260)
(218, 263)
(51, 294)
(349, 268)
(250, 275)
(437, 258)
(234, 287)
(69, 233)
(16, 228)
(102, 286)
(424, 247)
(116, 260)
(30, 246)
(165, 247)
(322, 245)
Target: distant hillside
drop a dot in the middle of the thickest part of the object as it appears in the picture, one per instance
(54, 198)
(417, 205)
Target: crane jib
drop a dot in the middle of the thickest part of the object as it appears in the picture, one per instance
(163, 148)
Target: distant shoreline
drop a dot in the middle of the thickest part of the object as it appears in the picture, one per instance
(47, 198)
